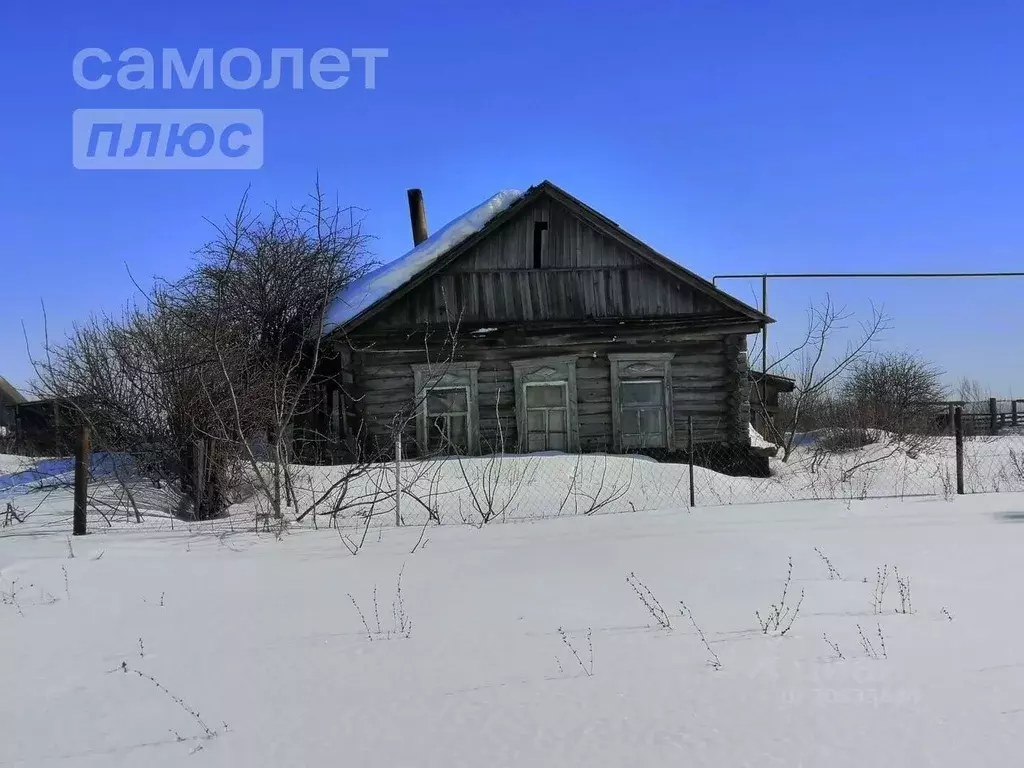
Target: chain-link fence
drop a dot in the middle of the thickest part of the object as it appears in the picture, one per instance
(954, 447)
(828, 464)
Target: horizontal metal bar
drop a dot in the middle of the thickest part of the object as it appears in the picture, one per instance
(784, 275)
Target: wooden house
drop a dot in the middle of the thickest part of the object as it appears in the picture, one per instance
(765, 393)
(10, 398)
(46, 427)
(544, 327)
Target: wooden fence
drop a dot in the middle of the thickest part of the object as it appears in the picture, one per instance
(980, 418)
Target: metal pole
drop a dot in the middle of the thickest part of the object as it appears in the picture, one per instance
(689, 431)
(81, 482)
(764, 343)
(398, 481)
(958, 426)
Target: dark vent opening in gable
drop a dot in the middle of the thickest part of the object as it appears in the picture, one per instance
(539, 228)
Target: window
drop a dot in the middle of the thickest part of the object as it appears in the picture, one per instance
(446, 408)
(642, 413)
(547, 416)
(641, 400)
(546, 403)
(448, 419)
(539, 228)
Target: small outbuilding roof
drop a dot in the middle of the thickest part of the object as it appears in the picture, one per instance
(10, 394)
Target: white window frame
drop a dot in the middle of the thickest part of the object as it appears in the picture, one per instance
(432, 418)
(627, 382)
(641, 367)
(461, 375)
(547, 370)
(546, 410)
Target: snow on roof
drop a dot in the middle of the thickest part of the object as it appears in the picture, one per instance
(373, 287)
(757, 440)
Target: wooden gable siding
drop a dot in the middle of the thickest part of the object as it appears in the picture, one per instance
(707, 378)
(584, 274)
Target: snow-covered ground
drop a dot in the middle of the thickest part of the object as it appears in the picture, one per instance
(9, 463)
(127, 652)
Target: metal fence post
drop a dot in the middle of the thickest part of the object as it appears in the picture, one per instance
(958, 427)
(689, 432)
(81, 482)
(398, 481)
(199, 476)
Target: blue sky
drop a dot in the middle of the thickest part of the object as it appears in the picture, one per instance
(733, 137)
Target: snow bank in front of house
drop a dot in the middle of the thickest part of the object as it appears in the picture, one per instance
(539, 486)
(758, 441)
(370, 289)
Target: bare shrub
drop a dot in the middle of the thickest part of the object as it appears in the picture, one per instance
(781, 615)
(868, 646)
(192, 712)
(972, 391)
(401, 623)
(889, 390)
(494, 480)
(832, 572)
(948, 483)
(591, 489)
(835, 648)
(1016, 465)
(714, 661)
(650, 602)
(11, 597)
(881, 584)
(903, 584)
(588, 668)
(844, 439)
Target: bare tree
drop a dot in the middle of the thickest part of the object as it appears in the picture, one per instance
(204, 381)
(973, 394)
(817, 372)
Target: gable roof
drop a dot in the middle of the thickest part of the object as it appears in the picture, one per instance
(380, 283)
(387, 284)
(10, 394)
(780, 382)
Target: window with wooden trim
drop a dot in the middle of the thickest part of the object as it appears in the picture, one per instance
(547, 416)
(447, 420)
(641, 400)
(642, 413)
(546, 412)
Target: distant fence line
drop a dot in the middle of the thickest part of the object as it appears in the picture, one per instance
(981, 416)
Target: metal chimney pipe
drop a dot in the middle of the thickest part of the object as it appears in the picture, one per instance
(418, 216)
